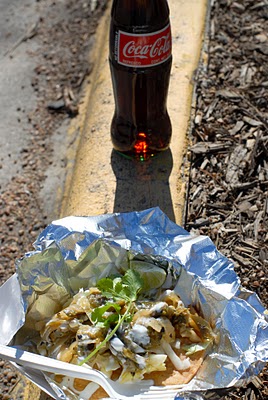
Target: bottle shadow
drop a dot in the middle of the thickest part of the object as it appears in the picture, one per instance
(142, 185)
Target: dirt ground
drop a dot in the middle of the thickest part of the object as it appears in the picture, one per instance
(227, 192)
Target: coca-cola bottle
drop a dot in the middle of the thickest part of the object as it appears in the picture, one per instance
(140, 63)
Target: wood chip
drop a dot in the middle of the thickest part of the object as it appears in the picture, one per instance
(252, 122)
(203, 148)
(234, 164)
(237, 128)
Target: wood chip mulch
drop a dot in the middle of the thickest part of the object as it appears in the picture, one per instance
(228, 188)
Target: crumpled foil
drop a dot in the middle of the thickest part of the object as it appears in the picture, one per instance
(74, 252)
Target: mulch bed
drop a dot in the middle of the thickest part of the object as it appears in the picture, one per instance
(228, 188)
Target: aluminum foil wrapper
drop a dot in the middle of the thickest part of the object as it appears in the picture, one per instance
(74, 252)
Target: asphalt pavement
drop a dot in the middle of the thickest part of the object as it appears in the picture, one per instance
(20, 58)
(17, 95)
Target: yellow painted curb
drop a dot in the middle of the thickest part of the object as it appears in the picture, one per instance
(100, 181)
(103, 181)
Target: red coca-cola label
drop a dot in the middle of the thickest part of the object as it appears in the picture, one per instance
(143, 50)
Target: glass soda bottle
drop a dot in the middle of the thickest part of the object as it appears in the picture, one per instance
(140, 62)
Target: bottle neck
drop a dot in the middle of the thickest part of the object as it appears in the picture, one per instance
(147, 15)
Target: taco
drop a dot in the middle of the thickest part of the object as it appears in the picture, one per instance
(128, 332)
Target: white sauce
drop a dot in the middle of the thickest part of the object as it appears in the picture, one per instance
(139, 334)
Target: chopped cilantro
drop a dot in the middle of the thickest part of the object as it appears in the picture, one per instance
(126, 288)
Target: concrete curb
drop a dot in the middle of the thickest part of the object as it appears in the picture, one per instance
(103, 182)
(100, 181)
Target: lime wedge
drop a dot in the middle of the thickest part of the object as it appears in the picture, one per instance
(153, 276)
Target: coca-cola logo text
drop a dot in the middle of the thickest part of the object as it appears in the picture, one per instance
(144, 50)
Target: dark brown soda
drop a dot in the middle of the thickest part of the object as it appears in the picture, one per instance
(141, 125)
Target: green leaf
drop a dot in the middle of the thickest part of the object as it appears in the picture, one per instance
(133, 284)
(106, 287)
(97, 314)
(125, 288)
(110, 321)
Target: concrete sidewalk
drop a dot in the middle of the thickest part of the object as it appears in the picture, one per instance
(98, 179)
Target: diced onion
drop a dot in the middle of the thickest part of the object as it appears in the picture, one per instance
(179, 364)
